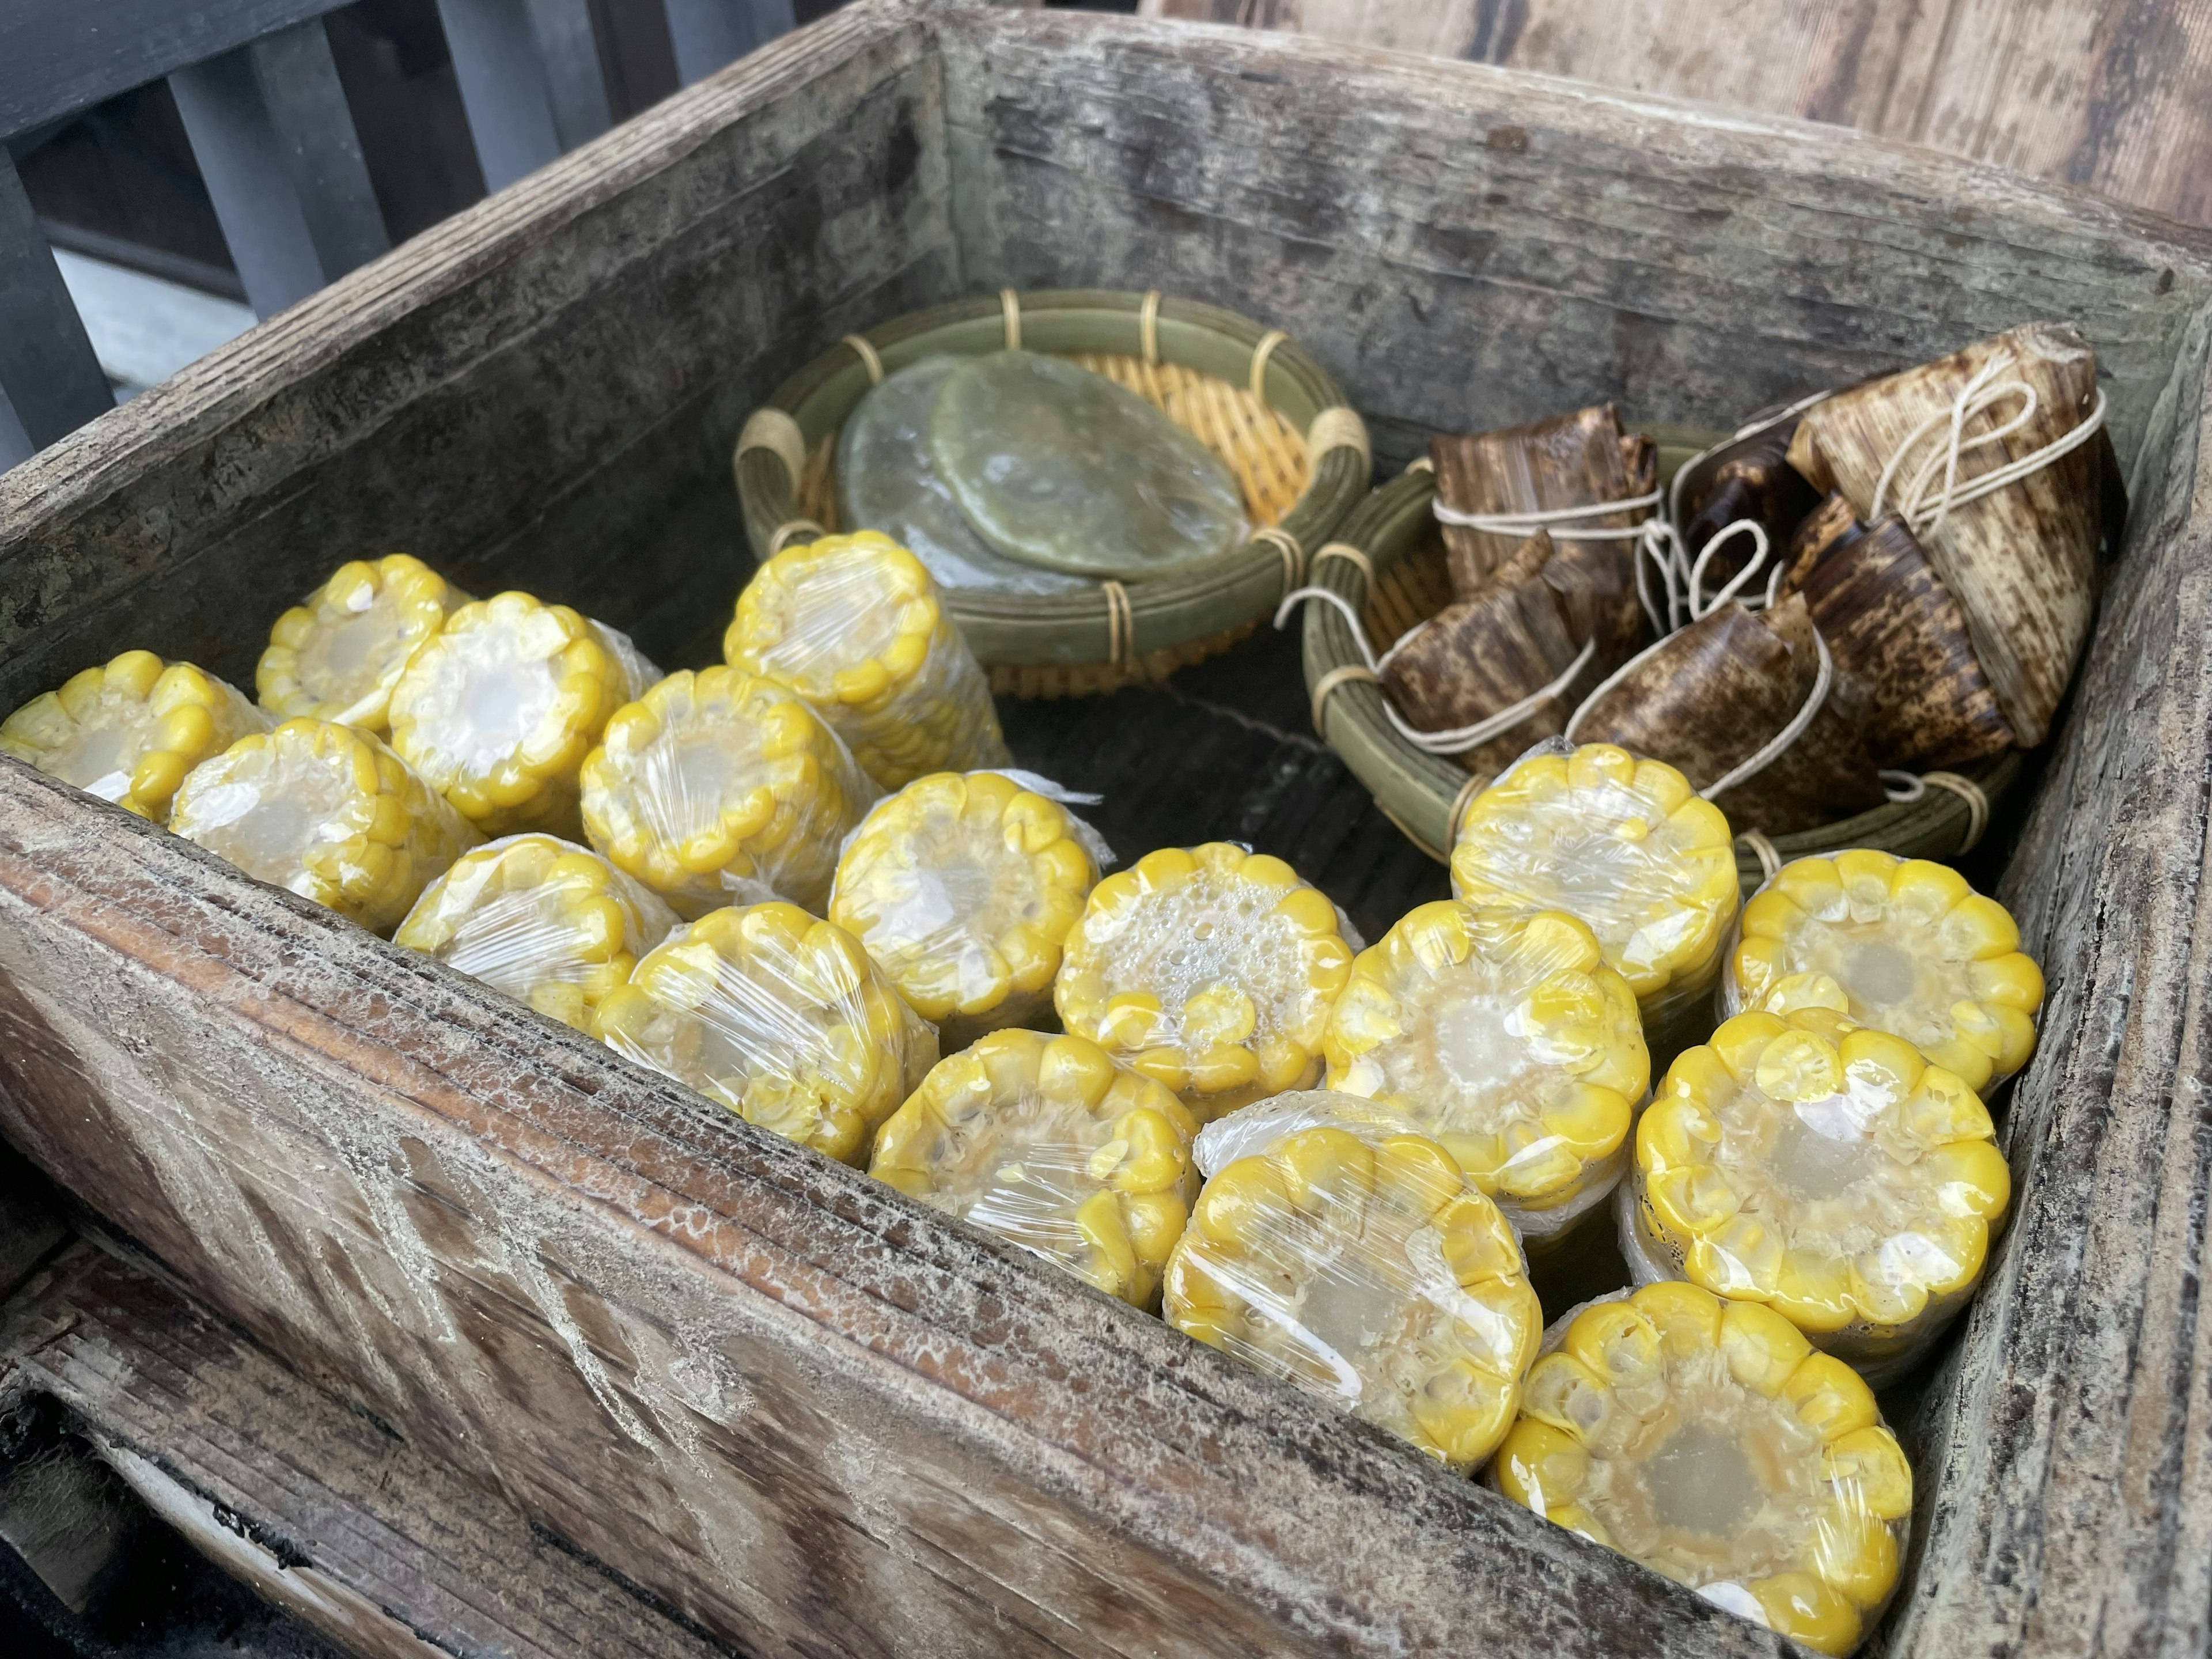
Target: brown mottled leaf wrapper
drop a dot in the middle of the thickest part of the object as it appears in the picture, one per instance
(1751, 478)
(1572, 460)
(1712, 694)
(1890, 622)
(2020, 562)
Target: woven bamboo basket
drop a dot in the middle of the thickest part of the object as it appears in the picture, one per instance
(1299, 454)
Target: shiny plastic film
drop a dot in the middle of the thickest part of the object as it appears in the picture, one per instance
(549, 923)
(1503, 1036)
(857, 626)
(130, 729)
(1901, 945)
(498, 710)
(779, 1016)
(1211, 969)
(328, 811)
(1048, 1143)
(1709, 1442)
(720, 787)
(1348, 1256)
(338, 655)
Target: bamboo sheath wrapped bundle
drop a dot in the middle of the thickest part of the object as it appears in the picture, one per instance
(1749, 477)
(1559, 469)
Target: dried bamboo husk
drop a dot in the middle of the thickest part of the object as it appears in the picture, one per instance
(1570, 460)
(1891, 624)
(2020, 562)
(1748, 479)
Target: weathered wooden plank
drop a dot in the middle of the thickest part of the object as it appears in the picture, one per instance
(48, 373)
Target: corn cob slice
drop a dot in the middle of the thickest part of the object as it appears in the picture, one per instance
(719, 787)
(963, 889)
(1046, 1142)
(856, 625)
(779, 1016)
(337, 656)
(1358, 1262)
(1504, 1036)
(549, 923)
(1902, 944)
(1709, 1442)
(498, 710)
(1211, 970)
(328, 811)
(129, 731)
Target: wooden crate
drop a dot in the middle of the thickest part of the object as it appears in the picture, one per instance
(811, 1417)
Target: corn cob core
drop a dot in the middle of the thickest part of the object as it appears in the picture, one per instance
(337, 656)
(781, 1017)
(1504, 1036)
(718, 785)
(1708, 1441)
(1211, 970)
(1624, 844)
(128, 731)
(498, 709)
(963, 889)
(856, 626)
(1369, 1272)
(1823, 1169)
(549, 923)
(328, 811)
(1901, 945)
(1048, 1143)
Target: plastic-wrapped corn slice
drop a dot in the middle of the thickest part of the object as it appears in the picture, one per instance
(128, 731)
(1825, 1170)
(328, 811)
(781, 1017)
(857, 626)
(498, 709)
(1709, 1442)
(1212, 969)
(962, 889)
(1356, 1261)
(1504, 1036)
(1046, 1142)
(337, 656)
(722, 786)
(549, 923)
(1902, 944)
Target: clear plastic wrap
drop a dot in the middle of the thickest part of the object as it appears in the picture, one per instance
(779, 1016)
(1903, 946)
(1708, 1441)
(1046, 1142)
(328, 811)
(1350, 1256)
(338, 655)
(720, 787)
(1211, 969)
(855, 625)
(1503, 1035)
(497, 711)
(549, 923)
(130, 729)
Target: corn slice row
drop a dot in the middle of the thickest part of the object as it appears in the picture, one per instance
(338, 655)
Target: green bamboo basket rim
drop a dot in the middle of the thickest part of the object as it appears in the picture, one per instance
(1416, 790)
(1077, 630)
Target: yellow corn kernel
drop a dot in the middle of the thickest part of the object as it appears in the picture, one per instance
(1710, 1443)
(128, 731)
(720, 787)
(1902, 945)
(1358, 1262)
(498, 709)
(962, 889)
(549, 923)
(856, 625)
(338, 655)
(779, 1016)
(328, 811)
(1050, 1144)
(1210, 969)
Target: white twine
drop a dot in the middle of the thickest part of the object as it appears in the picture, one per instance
(1660, 545)
(1920, 503)
(1559, 521)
